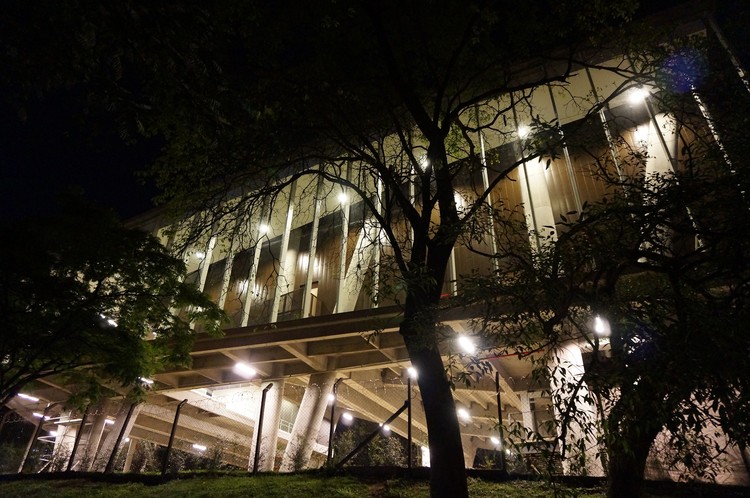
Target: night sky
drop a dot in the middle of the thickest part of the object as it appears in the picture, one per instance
(56, 147)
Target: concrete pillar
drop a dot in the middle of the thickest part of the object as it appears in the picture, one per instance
(307, 424)
(270, 436)
(470, 451)
(570, 396)
(529, 422)
(132, 448)
(108, 446)
(93, 437)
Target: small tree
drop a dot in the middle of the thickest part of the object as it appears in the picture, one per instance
(84, 297)
(652, 281)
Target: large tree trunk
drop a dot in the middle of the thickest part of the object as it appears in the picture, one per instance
(447, 471)
(630, 438)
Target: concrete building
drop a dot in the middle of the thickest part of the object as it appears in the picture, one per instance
(303, 282)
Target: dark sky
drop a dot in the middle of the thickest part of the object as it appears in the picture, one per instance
(57, 148)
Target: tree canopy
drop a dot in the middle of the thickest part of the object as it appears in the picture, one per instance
(88, 300)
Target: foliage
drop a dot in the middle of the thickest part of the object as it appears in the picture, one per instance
(660, 267)
(384, 450)
(85, 297)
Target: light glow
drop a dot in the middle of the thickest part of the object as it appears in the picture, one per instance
(109, 421)
(495, 441)
(243, 285)
(331, 398)
(523, 131)
(466, 344)
(343, 198)
(348, 417)
(111, 322)
(28, 397)
(463, 414)
(199, 447)
(146, 381)
(599, 326)
(637, 95)
(200, 254)
(263, 229)
(53, 433)
(412, 372)
(244, 370)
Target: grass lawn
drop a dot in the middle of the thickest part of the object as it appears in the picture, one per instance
(267, 486)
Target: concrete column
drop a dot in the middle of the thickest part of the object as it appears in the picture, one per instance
(270, 436)
(307, 424)
(470, 451)
(132, 448)
(527, 413)
(570, 395)
(92, 438)
(108, 446)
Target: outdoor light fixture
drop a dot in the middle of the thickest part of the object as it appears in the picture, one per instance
(466, 344)
(463, 414)
(200, 254)
(111, 322)
(243, 285)
(331, 398)
(495, 441)
(126, 440)
(27, 397)
(53, 433)
(244, 370)
(637, 95)
(600, 327)
(386, 428)
(146, 381)
(39, 415)
(348, 417)
(263, 229)
(412, 372)
(343, 198)
(199, 447)
(523, 131)
(109, 421)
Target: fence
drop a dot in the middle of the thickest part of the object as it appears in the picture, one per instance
(276, 426)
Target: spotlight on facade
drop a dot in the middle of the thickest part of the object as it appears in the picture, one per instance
(412, 372)
(386, 428)
(263, 229)
(146, 381)
(244, 370)
(466, 344)
(200, 254)
(463, 414)
(347, 417)
(343, 198)
(199, 447)
(637, 95)
(243, 285)
(28, 397)
(523, 131)
(495, 441)
(600, 325)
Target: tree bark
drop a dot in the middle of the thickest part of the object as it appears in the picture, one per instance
(447, 471)
(630, 439)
